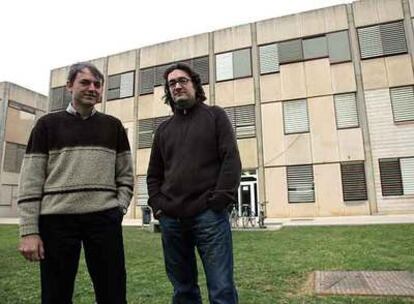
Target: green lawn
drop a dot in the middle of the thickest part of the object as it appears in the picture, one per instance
(270, 267)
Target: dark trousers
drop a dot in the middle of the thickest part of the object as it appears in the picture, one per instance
(210, 233)
(100, 233)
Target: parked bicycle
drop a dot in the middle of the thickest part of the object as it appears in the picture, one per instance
(234, 217)
(248, 217)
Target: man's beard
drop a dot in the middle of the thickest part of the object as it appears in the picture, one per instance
(184, 103)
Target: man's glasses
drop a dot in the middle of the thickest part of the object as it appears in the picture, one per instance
(182, 81)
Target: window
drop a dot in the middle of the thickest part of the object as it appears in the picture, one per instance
(59, 99)
(316, 47)
(382, 40)
(354, 187)
(13, 157)
(154, 76)
(233, 65)
(295, 116)
(142, 197)
(290, 51)
(21, 107)
(402, 101)
(146, 130)
(338, 47)
(397, 176)
(120, 86)
(333, 45)
(300, 184)
(269, 58)
(346, 111)
(8, 195)
(243, 120)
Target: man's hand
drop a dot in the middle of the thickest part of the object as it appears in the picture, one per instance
(31, 247)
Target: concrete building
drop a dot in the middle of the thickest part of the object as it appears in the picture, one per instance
(322, 103)
(19, 109)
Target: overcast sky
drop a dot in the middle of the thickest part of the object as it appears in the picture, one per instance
(40, 35)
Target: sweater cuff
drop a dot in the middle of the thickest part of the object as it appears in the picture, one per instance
(27, 229)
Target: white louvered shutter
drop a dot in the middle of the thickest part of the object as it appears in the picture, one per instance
(346, 111)
(127, 85)
(402, 100)
(269, 59)
(300, 184)
(407, 173)
(295, 116)
(142, 197)
(370, 43)
(245, 121)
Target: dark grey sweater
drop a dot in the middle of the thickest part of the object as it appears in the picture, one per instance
(194, 163)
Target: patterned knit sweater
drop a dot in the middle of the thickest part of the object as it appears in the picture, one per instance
(74, 166)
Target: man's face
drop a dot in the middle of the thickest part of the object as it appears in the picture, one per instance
(86, 89)
(181, 89)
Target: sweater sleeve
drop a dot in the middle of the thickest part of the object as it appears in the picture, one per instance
(32, 179)
(230, 164)
(124, 176)
(155, 176)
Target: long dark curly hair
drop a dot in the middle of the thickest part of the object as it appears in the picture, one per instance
(200, 96)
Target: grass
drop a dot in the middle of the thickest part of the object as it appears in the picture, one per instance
(270, 267)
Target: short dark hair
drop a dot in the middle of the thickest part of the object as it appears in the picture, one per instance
(78, 67)
(200, 96)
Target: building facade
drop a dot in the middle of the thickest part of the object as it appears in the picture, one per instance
(322, 103)
(19, 109)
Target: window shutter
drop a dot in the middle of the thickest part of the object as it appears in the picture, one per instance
(315, 47)
(407, 172)
(393, 38)
(67, 98)
(114, 82)
(295, 114)
(402, 100)
(224, 66)
(346, 111)
(231, 115)
(391, 181)
(145, 131)
(113, 94)
(201, 67)
(146, 81)
(6, 194)
(338, 47)
(269, 59)
(127, 85)
(245, 121)
(290, 51)
(142, 197)
(159, 74)
(354, 186)
(10, 158)
(57, 99)
(370, 42)
(21, 150)
(300, 184)
(242, 63)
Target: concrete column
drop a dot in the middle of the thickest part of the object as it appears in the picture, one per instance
(258, 113)
(134, 147)
(105, 88)
(363, 118)
(408, 27)
(3, 116)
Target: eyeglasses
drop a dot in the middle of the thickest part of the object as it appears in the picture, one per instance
(182, 81)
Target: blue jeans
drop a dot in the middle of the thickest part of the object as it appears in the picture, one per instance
(210, 233)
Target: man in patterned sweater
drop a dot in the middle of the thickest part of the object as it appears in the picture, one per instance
(75, 186)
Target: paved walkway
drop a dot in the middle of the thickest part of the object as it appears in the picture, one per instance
(277, 223)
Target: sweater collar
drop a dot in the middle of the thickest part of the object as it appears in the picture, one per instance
(72, 111)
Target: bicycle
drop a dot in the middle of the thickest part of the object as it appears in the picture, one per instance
(248, 217)
(234, 217)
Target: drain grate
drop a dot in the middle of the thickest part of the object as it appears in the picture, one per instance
(378, 283)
